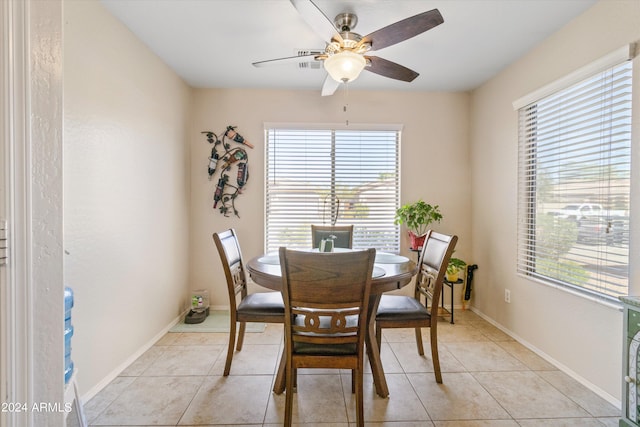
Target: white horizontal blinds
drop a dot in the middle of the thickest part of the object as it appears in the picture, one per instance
(307, 170)
(574, 184)
(367, 186)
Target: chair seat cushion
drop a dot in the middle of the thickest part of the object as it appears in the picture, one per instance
(324, 349)
(262, 304)
(400, 307)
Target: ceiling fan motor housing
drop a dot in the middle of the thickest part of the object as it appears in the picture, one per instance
(345, 22)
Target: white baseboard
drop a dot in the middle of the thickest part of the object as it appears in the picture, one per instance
(114, 374)
(597, 390)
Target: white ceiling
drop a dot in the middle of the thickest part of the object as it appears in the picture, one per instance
(212, 43)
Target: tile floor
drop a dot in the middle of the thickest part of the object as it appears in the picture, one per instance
(489, 381)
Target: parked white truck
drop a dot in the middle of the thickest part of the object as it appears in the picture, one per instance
(595, 223)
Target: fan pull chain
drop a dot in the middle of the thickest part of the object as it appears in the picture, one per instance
(346, 101)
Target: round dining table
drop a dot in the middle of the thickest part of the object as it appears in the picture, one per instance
(390, 272)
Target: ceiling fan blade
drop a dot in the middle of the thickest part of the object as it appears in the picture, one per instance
(285, 60)
(403, 30)
(317, 20)
(390, 69)
(330, 86)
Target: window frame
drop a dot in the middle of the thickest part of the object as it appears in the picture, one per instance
(528, 215)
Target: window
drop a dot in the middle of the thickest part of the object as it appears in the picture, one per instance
(574, 185)
(314, 175)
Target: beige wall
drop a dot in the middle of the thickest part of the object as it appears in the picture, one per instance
(579, 334)
(434, 160)
(126, 191)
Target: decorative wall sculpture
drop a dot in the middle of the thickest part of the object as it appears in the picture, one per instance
(223, 158)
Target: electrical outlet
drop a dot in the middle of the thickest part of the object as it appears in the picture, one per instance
(507, 296)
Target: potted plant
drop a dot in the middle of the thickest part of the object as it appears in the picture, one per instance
(417, 217)
(454, 268)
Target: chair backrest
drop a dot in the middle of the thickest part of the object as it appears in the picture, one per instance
(232, 263)
(343, 235)
(434, 258)
(327, 290)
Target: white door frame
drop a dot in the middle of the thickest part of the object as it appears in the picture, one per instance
(31, 298)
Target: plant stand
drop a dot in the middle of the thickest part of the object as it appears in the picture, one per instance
(452, 287)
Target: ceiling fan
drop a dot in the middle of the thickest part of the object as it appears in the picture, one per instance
(346, 53)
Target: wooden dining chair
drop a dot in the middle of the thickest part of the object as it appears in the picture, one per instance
(399, 311)
(264, 307)
(343, 235)
(326, 296)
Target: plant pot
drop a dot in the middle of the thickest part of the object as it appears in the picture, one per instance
(416, 241)
(452, 277)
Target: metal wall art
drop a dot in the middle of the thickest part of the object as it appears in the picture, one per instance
(223, 158)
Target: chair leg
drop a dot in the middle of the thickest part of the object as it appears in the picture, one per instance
(378, 335)
(288, 401)
(359, 397)
(353, 381)
(280, 383)
(434, 355)
(419, 341)
(243, 326)
(232, 341)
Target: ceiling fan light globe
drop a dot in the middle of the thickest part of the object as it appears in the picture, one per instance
(345, 66)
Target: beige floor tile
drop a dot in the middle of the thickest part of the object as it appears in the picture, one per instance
(526, 356)
(526, 395)
(390, 363)
(230, 425)
(178, 360)
(490, 380)
(477, 423)
(319, 399)
(273, 334)
(561, 422)
(594, 404)
(446, 333)
(201, 338)
(234, 425)
(411, 361)
(143, 362)
(253, 359)
(129, 425)
(402, 404)
(400, 424)
(229, 400)
(460, 397)
(456, 333)
(168, 338)
(105, 397)
(491, 332)
(484, 356)
(151, 401)
(309, 425)
(398, 335)
(319, 371)
(466, 315)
